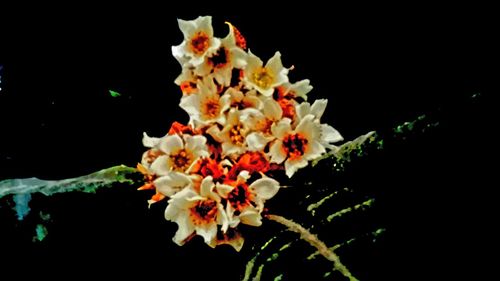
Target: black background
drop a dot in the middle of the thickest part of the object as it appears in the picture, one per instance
(377, 67)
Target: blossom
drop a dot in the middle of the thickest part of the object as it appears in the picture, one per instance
(207, 106)
(198, 213)
(328, 134)
(247, 123)
(232, 136)
(198, 41)
(179, 153)
(222, 61)
(264, 78)
(246, 202)
(296, 147)
(297, 89)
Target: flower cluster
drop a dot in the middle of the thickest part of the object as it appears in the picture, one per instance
(246, 119)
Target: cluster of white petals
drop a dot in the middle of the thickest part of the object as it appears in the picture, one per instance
(246, 119)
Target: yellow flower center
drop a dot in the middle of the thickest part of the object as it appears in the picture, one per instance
(199, 43)
(263, 78)
(236, 135)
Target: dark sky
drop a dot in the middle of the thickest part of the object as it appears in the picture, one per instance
(374, 68)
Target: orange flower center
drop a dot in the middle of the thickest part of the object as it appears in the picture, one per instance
(199, 43)
(239, 197)
(262, 78)
(204, 211)
(220, 59)
(211, 108)
(181, 160)
(188, 87)
(294, 145)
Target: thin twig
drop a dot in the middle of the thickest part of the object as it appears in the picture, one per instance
(315, 242)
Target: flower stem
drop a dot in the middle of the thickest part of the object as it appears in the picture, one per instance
(314, 241)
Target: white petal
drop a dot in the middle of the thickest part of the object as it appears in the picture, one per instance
(266, 92)
(172, 183)
(207, 186)
(272, 109)
(329, 134)
(208, 232)
(184, 199)
(191, 104)
(172, 212)
(308, 128)
(196, 144)
(265, 188)
(203, 69)
(251, 117)
(233, 117)
(179, 53)
(314, 150)
(224, 189)
(318, 108)
(230, 149)
(281, 128)
(171, 144)
(301, 88)
(148, 141)
(253, 62)
(187, 27)
(222, 218)
(186, 228)
(215, 133)
(303, 110)
(239, 58)
(223, 76)
(205, 24)
(274, 64)
(161, 166)
(243, 176)
(291, 166)
(229, 40)
(251, 217)
(256, 141)
(224, 103)
(276, 152)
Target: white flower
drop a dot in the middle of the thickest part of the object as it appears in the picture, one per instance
(246, 202)
(198, 41)
(232, 237)
(241, 100)
(298, 146)
(264, 78)
(261, 122)
(328, 134)
(187, 81)
(297, 89)
(207, 106)
(196, 213)
(222, 62)
(151, 154)
(172, 183)
(232, 136)
(179, 154)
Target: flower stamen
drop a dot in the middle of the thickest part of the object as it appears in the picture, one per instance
(199, 43)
